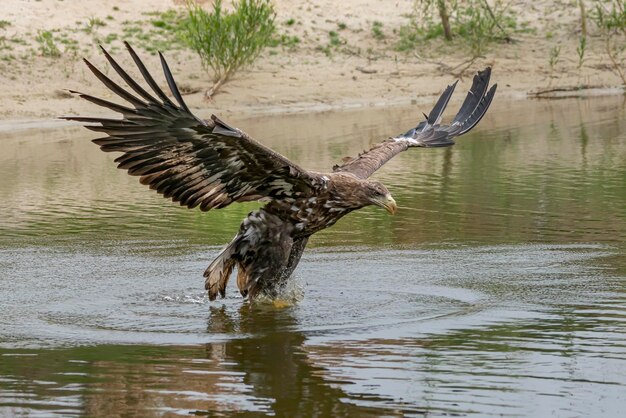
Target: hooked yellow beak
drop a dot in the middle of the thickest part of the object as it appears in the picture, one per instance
(388, 203)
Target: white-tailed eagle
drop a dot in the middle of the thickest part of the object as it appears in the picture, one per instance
(209, 164)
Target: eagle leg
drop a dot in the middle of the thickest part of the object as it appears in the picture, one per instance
(264, 254)
(294, 257)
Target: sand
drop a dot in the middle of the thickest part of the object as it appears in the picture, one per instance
(362, 71)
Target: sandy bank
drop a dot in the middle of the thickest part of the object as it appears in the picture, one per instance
(364, 71)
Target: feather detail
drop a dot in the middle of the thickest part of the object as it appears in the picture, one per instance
(186, 159)
(428, 133)
(218, 272)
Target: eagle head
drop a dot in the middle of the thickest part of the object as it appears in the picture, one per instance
(378, 195)
(351, 192)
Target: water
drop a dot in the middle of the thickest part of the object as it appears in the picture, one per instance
(499, 288)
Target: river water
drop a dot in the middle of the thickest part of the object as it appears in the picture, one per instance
(498, 289)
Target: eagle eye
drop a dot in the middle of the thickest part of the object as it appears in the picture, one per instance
(379, 191)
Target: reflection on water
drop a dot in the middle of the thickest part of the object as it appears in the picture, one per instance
(498, 289)
(504, 330)
(533, 171)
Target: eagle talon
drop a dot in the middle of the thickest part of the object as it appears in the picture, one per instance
(281, 303)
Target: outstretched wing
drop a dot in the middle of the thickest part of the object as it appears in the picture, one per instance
(428, 133)
(192, 161)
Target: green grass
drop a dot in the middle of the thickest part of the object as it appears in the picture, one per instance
(409, 38)
(472, 22)
(3, 39)
(171, 20)
(334, 39)
(580, 51)
(92, 24)
(377, 31)
(110, 38)
(610, 19)
(161, 32)
(286, 41)
(554, 57)
(47, 45)
(609, 16)
(227, 41)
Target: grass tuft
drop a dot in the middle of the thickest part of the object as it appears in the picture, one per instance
(377, 31)
(228, 41)
(473, 22)
(47, 45)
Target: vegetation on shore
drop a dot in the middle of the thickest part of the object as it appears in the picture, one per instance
(229, 39)
(474, 26)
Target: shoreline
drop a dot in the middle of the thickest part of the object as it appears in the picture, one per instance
(362, 71)
(15, 125)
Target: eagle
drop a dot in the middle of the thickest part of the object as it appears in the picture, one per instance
(210, 164)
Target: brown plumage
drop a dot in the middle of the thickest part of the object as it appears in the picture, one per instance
(209, 164)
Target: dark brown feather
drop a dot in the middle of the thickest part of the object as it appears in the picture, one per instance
(127, 78)
(197, 163)
(148, 78)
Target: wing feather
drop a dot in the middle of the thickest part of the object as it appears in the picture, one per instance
(197, 163)
(127, 78)
(114, 87)
(429, 133)
(172, 84)
(147, 77)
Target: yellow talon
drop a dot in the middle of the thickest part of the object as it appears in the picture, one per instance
(281, 303)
